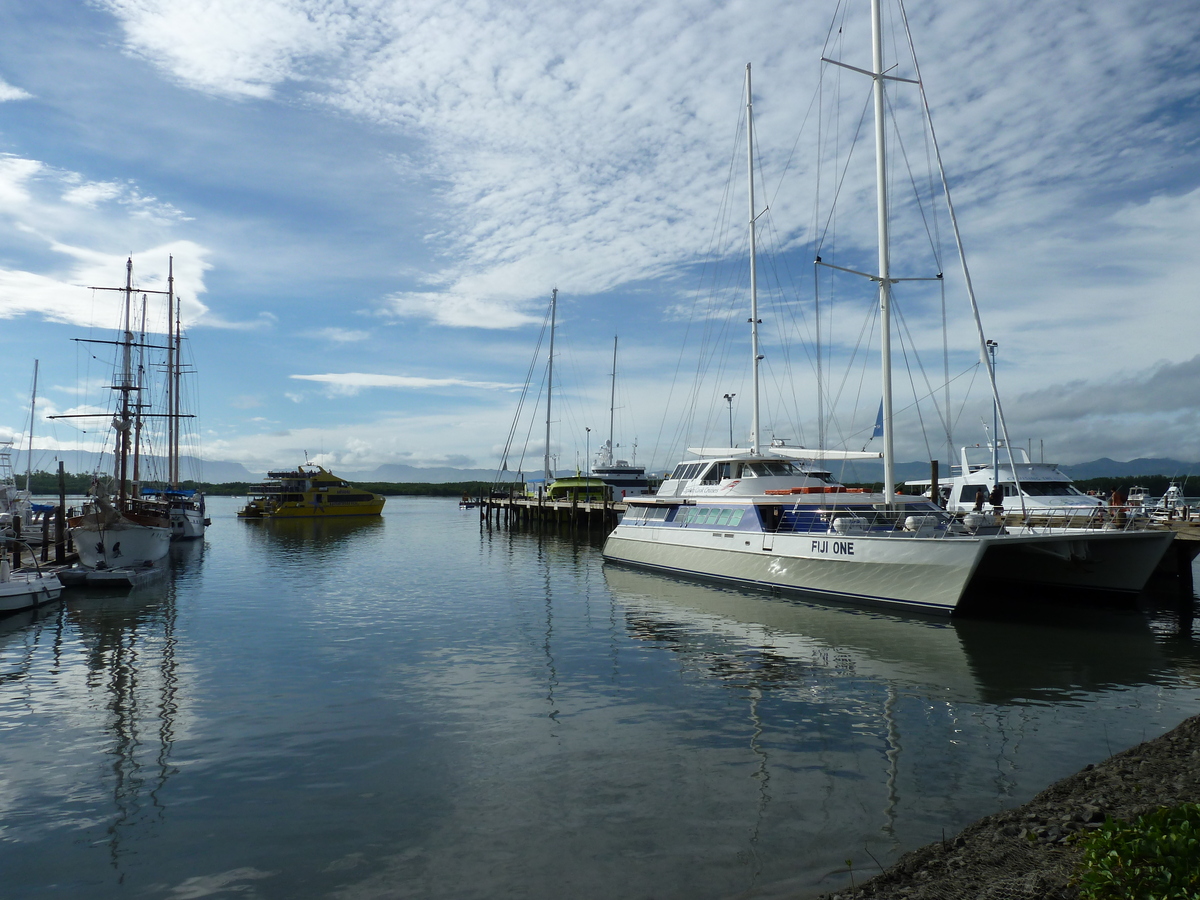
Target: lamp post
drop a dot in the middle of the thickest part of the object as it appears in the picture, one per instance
(587, 454)
(729, 400)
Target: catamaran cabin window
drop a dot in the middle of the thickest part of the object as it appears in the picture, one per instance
(1048, 488)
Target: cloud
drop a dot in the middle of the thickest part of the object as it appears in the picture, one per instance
(8, 92)
(39, 202)
(353, 382)
(339, 335)
(589, 149)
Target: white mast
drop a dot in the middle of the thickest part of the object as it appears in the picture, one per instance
(885, 325)
(754, 321)
(550, 382)
(32, 408)
(612, 405)
(170, 371)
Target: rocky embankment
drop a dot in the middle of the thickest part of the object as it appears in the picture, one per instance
(1024, 853)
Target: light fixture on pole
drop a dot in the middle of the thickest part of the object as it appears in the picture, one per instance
(729, 400)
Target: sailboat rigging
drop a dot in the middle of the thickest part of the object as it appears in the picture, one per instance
(118, 528)
(767, 516)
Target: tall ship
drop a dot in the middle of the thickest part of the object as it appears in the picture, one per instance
(771, 516)
(309, 491)
(118, 528)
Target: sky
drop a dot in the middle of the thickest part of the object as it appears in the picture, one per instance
(369, 203)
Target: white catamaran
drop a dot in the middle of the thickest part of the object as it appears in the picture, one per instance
(769, 516)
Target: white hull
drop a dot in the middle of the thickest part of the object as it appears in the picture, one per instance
(120, 544)
(186, 524)
(929, 573)
(25, 590)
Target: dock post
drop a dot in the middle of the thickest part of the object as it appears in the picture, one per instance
(45, 537)
(60, 518)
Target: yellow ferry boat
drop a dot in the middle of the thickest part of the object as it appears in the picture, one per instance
(309, 491)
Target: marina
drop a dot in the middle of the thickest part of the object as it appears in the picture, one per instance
(765, 574)
(481, 707)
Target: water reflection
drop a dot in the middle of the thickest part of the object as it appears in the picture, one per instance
(129, 645)
(1055, 657)
(909, 685)
(321, 537)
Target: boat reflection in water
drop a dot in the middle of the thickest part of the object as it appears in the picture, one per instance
(852, 709)
(324, 537)
(102, 679)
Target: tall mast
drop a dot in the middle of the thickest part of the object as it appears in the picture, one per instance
(175, 417)
(32, 408)
(885, 323)
(125, 387)
(550, 382)
(171, 362)
(754, 321)
(137, 417)
(612, 405)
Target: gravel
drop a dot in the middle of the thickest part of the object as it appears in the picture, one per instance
(1026, 853)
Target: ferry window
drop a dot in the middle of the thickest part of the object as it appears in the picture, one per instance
(725, 471)
(736, 519)
(658, 513)
(710, 474)
(1010, 490)
(723, 519)
(745, 470)
(679, 470)
(713, 515)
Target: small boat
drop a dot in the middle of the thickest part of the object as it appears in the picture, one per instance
(309, 491)
(1171, 506)
(25, 590)
(578, 489)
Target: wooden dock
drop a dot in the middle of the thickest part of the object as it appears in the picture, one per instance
(540, 513)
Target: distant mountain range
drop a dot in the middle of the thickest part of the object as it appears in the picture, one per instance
(221, 472)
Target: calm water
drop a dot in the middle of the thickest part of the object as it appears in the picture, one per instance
(410, 708)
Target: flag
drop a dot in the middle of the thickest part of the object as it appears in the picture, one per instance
(878, 432)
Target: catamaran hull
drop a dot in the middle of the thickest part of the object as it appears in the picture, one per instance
(1105, 562)
(120, 544)
(930, 574)
(921, 573)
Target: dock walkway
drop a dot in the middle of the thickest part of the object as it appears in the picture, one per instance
(574, 516)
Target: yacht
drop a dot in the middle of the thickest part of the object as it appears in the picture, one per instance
(769, 516)
(1041, 489)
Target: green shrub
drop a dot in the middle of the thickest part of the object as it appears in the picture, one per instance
(1157, 857)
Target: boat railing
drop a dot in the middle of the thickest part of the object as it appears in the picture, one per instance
(929, 523)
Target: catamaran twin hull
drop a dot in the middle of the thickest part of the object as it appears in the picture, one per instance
(929, 573)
